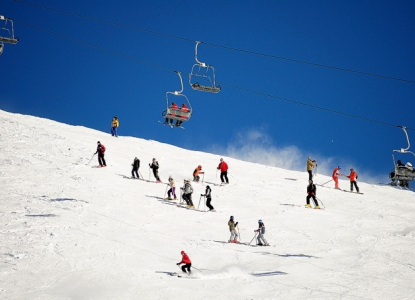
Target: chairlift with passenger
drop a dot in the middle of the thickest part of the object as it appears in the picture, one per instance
(7, 33)
(175, 112)
(403, 173)
(200, 73)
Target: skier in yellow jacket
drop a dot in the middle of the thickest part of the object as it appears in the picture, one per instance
(114, 125)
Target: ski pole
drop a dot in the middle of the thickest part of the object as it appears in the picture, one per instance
(149, 173)
(318, 199)
(239, 234)
(91, 159)
(253, 238)
(326, 182)
(203, 177)
(165, 192)
(197, 269)
(199, 201)
(140, 174)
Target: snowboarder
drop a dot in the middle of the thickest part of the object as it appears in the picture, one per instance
(101, 150)
(196, 173)
(234, 235)
(187, 193)
(223, 167)
(311, 193)
(335, 176)
(136, 166)
(261, 241)
(353, 176)
(172, 189)
(208, 196)
(114, 125)
(155, 166)
(310, 166)
(187, 263)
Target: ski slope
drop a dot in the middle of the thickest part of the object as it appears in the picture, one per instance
(72, 231)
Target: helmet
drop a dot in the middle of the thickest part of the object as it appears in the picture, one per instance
(199, 166)
(182, 252)
(231, 217)
(154, 159)
(98, 142)
(259, 221)
(339, 167)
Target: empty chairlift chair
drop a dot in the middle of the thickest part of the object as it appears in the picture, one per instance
(7, 33)
(202, 76)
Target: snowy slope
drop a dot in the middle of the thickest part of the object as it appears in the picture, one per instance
(71, 231)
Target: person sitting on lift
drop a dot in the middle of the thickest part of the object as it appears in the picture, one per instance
(169, 120)
(185, 109)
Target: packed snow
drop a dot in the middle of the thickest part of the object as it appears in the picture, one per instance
(70, 230)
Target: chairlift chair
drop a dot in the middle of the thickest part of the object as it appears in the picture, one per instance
(403, 173)
(177, 114)
(200, 73)
(9, 29)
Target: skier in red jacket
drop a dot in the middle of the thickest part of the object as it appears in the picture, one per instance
(353, 176)
(223, 167)
(101, 151)
(187, 263)
(335, 175)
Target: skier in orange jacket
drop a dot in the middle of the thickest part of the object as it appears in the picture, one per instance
(335, 175)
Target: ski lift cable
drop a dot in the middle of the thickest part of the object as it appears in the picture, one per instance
(221, 83)
(222, 46)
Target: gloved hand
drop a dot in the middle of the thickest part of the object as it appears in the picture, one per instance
(236, 224)
(178, 264)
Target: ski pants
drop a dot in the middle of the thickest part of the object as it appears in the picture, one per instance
(224, 174)
(234, 235)
(336, 181)
(314, 198)
(208, 203)
(196, 178)
(114, 131)
(355, 184)
(156, 174)
(186, 266)
(188, 199)
(101, 159)
(260, 239)
(135, 171)
(172, 190)
(310, 174)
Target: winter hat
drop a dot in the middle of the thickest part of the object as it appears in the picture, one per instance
(98, 142)
(231, 217)
(199, 166)
(182, 252)
(154, 159)
(208, 187)
(259, 221)
(339, 167)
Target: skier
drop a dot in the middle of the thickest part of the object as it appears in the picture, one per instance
(223, 167)
(155, 166)
(172, 189)
(187, 263)
(311, 193)
(310, 166)
(196, 173)
(185, 109)
(187, 193)
(136, 166)
(101, 150)
(335, 175)
(208, 198)
(169, 120)
(353, 176)
(234, 234)
(114, 125)
(261, 241)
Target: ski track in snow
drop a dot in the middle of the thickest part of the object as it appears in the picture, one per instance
(70, 231)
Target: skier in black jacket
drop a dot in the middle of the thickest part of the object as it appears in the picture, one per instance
(136, 166)
(311, 193)
(155, 166)
(208, 198)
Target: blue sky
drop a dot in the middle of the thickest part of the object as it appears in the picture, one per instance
(92, 71)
